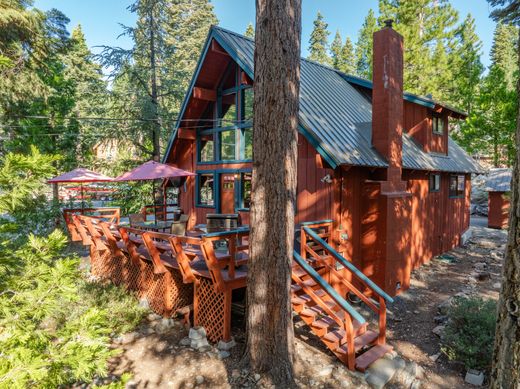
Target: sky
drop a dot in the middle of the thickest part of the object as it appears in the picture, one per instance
(101, 19)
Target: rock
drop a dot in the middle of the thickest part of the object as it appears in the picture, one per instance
(416, 384)
(199, 379)
(131, 385)
(226, 345)
(153, 317)
(440, 319)
(381, 372)
(444, 307)
(204, 349)
(197, 333)
(223, 354)
(199, 343)
(486, 244)
(257, 377)
(143, 303)
(480, 265)
(434, 357)
(497, 285)
(325, 371)
(439, 330)
(474, 377)
(415, 370)
(496, 255)
(129, 337)
(167, 322)
(400, 363)
(235, 373)
(185, 341)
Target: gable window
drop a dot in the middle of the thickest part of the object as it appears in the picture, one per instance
(206, 148)
(438, 125)
(206, 189)
(457, 185)
(435, 182)
(245, 191)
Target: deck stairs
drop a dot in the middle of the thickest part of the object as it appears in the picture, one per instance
(343, 330)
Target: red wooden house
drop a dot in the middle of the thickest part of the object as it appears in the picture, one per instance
(498, 186)
(377, 161)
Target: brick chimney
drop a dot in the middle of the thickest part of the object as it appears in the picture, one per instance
(387, 99)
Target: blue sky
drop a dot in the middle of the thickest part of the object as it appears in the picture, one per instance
(100, 19)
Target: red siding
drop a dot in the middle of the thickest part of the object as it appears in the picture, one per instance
(498, 210)
(418, 124)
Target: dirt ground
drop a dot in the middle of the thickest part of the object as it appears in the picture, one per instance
(156, 359)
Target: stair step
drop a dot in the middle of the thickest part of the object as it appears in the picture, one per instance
(314, 310)
(359, 342)
(306, 299)
(337, 335)
(295, 288)
(368, 357)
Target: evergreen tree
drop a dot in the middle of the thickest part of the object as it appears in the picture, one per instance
(318, 42)
(250, 31)
(504, 51)
(363, 53)
(348, 58)
(335, 51)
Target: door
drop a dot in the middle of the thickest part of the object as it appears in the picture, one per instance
(227, 193)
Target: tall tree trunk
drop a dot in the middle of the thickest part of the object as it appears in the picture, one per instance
(270, 337)
(506, 357)
(154, 94)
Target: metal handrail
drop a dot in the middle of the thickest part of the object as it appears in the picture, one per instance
(328, 288)
(349, 265)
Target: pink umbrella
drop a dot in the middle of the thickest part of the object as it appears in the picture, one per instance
(80, 175)
(152, 170)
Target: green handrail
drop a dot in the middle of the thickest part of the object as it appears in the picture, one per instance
(349, 265)
(225, 233)
(328, 288)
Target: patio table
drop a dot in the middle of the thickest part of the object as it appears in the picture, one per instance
(158, 226)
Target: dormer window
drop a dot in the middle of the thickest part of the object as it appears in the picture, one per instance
(438, 125)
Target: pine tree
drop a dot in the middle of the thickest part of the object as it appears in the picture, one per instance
(318, 42)
(348, 58)
(363, 51)
(503, 51)
(250, 31)
(335, 51)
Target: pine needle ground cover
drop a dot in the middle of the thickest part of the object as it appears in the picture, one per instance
(55, 326)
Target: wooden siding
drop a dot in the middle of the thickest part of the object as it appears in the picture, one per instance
(418, 124)
(498, 210)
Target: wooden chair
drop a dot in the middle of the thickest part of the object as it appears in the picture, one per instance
(168, 293)
(100, 255)
(179, 227)
(136, 218)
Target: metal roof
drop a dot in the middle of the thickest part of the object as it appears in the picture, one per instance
(336, 118)
(499, 180)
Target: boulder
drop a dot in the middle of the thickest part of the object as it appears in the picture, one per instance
(474, 377)
(439, 330)
(226, 346)
(197, 333)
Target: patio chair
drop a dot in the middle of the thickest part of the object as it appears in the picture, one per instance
(217, 222)
(136, 218)
(168, 293)
(100, 255)
(179, 227)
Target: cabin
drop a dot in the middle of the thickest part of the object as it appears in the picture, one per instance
(498, 186)
(375, 160)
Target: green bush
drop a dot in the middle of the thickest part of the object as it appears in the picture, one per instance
(470, 332)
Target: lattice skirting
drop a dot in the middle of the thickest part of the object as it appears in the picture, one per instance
(166, 292)
(210, 310)
(100, 263)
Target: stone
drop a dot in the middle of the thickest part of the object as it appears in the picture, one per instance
(257, 377)
(199, 343)
(440, 319)
(380, 372)
(197, 333)
(497, 285)
(496, 255)
(167, 322)
(434, 357)
(400, 363)
(143, 303)
(474, 377)
(480, 265)
(226, 346)
(235, 373)
(486, 244)
(185, 341)
(444, 307)
(129, 337)
(325, 371)
(223, 354)
(416, 384)
(199, 379)
(204, 349)
(153, 317)
(439, 330)
(131, 385)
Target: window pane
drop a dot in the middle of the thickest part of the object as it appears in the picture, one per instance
(206, 194)
(206, 148)
(228, 111)
(248, 104)
(246, 190)
(460, 186)
(248, 143)
(228, 145)
(437, 182)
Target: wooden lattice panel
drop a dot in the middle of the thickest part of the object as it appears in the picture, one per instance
(167, 293)
(209, 309)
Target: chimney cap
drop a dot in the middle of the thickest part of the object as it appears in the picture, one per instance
(389, 22)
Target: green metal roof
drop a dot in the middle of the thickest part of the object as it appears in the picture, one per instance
(336, 118)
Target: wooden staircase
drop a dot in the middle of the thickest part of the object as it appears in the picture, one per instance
(330, 317)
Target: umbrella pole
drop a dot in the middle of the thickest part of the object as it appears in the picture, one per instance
(154, 205)
(82, 203)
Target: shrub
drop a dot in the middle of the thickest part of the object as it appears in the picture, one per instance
(470, 332)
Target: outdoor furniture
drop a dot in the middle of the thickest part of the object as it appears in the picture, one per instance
(136, 218)
(179, 227)
(157, 226)
(217, 222)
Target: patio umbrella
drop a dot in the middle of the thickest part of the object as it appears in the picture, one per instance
(80, 176)
(152, 170)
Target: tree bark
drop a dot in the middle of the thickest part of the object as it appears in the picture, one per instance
(506, 357)
(270, 337)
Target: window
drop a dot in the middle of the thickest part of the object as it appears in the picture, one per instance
(228, 110)
(457, 186)
(438, 124)
(248, 143)
(228, 145)
(206, 189)
(435, 182)
(207, 148)
(247, 104)
(245, 191)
